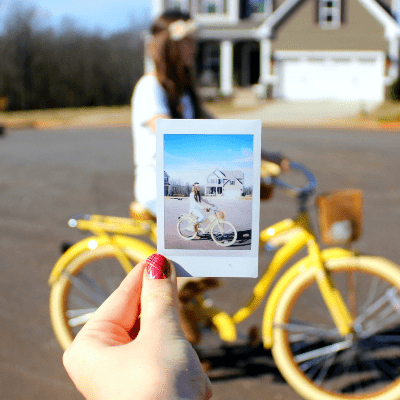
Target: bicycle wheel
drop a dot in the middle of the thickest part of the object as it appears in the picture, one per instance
(315, 359)
(84, 285)
(185, 227)
(223, 233)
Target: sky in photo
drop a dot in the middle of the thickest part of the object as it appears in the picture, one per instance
(104, 15)
(191, 158)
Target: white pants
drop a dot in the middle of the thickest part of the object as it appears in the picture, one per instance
(199, 215)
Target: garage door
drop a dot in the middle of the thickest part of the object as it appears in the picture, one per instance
(329, 75)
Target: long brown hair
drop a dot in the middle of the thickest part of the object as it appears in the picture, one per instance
(172, 73)
(196, 192)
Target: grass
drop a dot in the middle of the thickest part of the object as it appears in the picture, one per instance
(389, 111)
(65, 117)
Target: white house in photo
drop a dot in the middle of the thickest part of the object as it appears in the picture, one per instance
(296, 49)
(228, 184)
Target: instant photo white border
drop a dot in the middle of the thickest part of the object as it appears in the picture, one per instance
(211, 263)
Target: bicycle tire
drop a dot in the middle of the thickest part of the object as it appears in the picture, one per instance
(86, 282)
(182, 227)
(225, 236)
(308, 350)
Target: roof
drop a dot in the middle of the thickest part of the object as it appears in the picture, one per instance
(228, 174)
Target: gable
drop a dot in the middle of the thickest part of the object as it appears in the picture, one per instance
(359, 30)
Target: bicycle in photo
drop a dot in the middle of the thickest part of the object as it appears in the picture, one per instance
(222, 232)
(332, 320)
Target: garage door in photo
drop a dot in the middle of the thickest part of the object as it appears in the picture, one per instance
(329, 75)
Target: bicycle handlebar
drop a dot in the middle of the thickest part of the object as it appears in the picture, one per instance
(306, 190)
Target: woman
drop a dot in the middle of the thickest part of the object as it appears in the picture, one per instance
(195, 204)
(168, 92)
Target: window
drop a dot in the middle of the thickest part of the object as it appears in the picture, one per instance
(179, 5)
(329, 13)
(213, 6)
(257, 6)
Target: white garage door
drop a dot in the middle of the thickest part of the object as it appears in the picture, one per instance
(329, 75)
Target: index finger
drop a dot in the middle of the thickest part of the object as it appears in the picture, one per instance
(111, 322)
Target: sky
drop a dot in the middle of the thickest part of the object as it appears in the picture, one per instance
(107, 16)
(192, 158)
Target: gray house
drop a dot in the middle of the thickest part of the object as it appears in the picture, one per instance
(166, 184)
(225, 183)
(296, 49)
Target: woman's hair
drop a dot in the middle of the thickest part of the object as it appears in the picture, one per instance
(172, 73)
(197, 195)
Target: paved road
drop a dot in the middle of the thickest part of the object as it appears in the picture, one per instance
(46, 176)
(237, 212)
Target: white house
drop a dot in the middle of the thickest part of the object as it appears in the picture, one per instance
(228, 184)
(297, 49)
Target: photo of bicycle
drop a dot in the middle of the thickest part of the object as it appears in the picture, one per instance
(208, 191)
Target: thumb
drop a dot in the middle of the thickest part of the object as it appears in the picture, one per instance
(159, 299)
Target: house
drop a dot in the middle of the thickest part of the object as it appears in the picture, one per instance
(297, 49)
(224, 183)
(166, 184)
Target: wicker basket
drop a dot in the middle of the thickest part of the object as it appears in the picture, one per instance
(340, 216)
(221, 214)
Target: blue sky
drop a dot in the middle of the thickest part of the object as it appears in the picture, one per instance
(92, 15)
(192, 158)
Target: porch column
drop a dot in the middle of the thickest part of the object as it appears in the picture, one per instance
(265, 60)
(226, 67)
(393, 73)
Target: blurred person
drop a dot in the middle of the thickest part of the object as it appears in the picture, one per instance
(133, 346)
(168, 92)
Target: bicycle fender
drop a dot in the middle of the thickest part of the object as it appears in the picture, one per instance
(85, 244)
(294, 271)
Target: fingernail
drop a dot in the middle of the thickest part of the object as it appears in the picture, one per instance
(157, 267)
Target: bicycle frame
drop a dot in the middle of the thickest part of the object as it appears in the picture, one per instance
(211, 220)
(315, 260)
(101, 226)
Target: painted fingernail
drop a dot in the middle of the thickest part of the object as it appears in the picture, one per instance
(157, 267)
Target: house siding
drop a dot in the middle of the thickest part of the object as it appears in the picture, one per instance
(359, 31)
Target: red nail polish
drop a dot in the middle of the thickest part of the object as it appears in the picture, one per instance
(157, 267)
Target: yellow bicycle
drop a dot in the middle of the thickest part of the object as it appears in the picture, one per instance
(332, 320)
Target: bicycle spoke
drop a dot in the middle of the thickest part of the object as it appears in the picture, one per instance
(79, 317)
(325, 368)
(333, 348)
(371, 293)
(88, 287)
(374, 307)
(309, 329)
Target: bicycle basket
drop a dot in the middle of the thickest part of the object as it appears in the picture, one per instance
(340, 216)
(221, 214)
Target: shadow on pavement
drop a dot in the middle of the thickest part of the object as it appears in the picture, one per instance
(240, 361)
(243, 238)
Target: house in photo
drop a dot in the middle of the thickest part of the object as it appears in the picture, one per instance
(166, 184)
(228, 184)
(296, 49)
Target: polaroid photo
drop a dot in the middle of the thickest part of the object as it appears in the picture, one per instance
(208, 196)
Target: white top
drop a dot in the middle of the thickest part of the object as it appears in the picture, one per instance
(194, 205)
(149, 99)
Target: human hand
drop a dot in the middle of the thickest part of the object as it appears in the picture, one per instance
(133, 346)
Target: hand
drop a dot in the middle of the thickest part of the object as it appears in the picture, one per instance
(208, 209)
(285, 165)
(133, 346)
